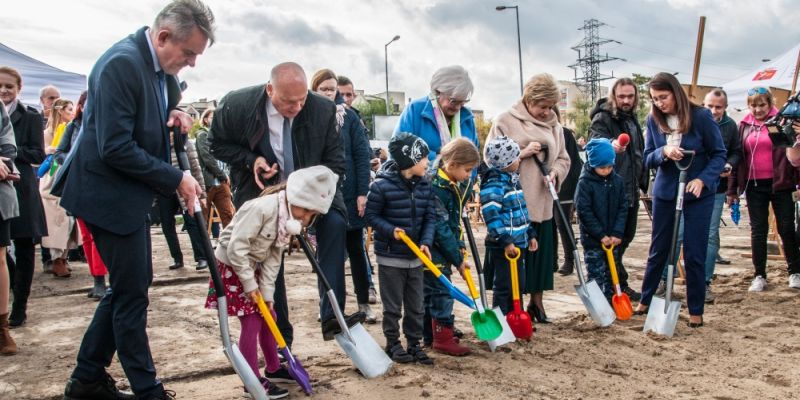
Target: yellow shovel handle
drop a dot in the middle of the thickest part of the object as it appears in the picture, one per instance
(270, 322)
(512, 264)
(415, 249)
(612, 265)
(470, 284)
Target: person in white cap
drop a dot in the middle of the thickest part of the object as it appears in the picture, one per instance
(249, 258)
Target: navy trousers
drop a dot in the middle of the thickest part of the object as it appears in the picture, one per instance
(697, 220)
(331, 244)
(120, 320)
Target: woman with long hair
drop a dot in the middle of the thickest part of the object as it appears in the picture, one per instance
(674, 125)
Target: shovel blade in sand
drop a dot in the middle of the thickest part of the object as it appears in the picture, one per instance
(367, 356)
(507, 336)
(660, 321)
(487, 325)
(596, 304)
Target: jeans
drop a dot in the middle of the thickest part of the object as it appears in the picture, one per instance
(758, 200)
(598, 269)
(713, 236)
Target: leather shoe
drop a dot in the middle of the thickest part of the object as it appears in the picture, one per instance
(176, 265)
(331, 328)
(723, 261)
(104, 389)
(201, 265)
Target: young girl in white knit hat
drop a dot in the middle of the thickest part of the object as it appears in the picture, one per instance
(249, 258)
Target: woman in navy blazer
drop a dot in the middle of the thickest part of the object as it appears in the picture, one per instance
(676, 124)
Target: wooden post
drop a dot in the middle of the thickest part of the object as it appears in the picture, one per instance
(697, 52)
(796, 70)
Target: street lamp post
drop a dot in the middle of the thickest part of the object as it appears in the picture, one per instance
(519, 44)
(386, 64)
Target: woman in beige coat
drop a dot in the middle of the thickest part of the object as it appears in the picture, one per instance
(533, 125)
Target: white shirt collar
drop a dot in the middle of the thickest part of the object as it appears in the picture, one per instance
(152, 51)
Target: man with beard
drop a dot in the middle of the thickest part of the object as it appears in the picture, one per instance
(611, 117)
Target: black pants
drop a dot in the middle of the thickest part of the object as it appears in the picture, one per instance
(758, 200)
(330, 252)
(281, 306)
(627, 237)
(566, 243)
(358, 264)
(21, 273)
(167, 206)
(401, 296)
(120, 320)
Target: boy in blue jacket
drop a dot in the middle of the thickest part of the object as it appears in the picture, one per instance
(602, 209)
(508, 228)
(400, 199)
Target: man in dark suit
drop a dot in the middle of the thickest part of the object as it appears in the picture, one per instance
(121, 161)
(251, 130)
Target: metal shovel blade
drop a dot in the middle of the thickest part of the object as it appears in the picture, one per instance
(596, 304)
(507, 336)
(660, 321)
(235, 356)
(367, 356)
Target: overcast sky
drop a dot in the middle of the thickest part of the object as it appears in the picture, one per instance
(348, 36)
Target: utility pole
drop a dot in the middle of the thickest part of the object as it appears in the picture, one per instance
(589, 59)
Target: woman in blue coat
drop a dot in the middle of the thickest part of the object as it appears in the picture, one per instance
(675, 124)
(441, 116)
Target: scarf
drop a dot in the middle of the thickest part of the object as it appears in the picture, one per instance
(11, 107)
(445, 134)
(340, 114)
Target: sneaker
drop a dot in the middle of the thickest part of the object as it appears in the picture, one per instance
(370, 317)
(758, 284)
(281, 375)
(273, 391)
(201, 265)
(709, 295)
(398, 354)
(103, 389)
(722, 261)
(661, 291)
(632, 294)
(373, 295)
(794, 281)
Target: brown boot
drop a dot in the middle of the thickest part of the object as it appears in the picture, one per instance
(7, 345)
(443, 341)
(60, 269)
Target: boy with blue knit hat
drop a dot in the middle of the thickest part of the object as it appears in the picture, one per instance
(602, 209)
(508, 228)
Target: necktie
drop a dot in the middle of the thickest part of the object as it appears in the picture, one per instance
(288, 155)
(162, 86)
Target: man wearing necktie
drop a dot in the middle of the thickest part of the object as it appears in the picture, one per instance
(119, 163)
(264, 133)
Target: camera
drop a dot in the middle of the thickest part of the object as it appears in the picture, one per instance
(780, 126)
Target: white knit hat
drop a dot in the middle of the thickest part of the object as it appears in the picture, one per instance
(312, 188)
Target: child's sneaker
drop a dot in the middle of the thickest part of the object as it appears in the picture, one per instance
(281, 375)
(419, 355)
(398, 354)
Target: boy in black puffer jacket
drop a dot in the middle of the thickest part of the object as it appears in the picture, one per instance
(400, 199)
(602, 209)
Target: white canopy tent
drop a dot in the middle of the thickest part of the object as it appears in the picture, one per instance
(36, 74)
(776, 73)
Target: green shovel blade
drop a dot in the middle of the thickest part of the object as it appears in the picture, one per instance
(487, 326)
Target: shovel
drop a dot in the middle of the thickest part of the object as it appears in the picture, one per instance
(487, 325)
(356, 342)
(235, 357)
(454, 291)
(518, 320)
(620, 301)
(507, 336)
(589, 292)
(296, 369)
(662, 315)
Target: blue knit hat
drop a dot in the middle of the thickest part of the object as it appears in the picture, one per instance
(600, 153)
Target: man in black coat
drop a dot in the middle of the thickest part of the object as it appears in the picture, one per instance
(610, 118)
(252, 129)
(121, 160)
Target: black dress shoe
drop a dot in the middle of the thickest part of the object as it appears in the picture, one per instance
(538, 314)
(632, 294)
(331, 328)
(176, 265)
(723, 261)
(566, 268)
(17, 317)
(104, 389)
(201, 265)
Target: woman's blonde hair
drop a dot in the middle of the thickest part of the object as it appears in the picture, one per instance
(541, 87)
(760, 93)
(55, 116)
(460, 151)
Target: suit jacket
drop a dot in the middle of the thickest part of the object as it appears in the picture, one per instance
(239, 134)
(122, 156)
(28, 128)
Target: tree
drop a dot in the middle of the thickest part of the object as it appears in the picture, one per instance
(580, 116)
(643, 108)
(369, 107)
(482, 128)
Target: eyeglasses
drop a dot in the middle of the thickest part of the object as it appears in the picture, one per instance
(326, 89)
(456, 102)
(757, 90)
